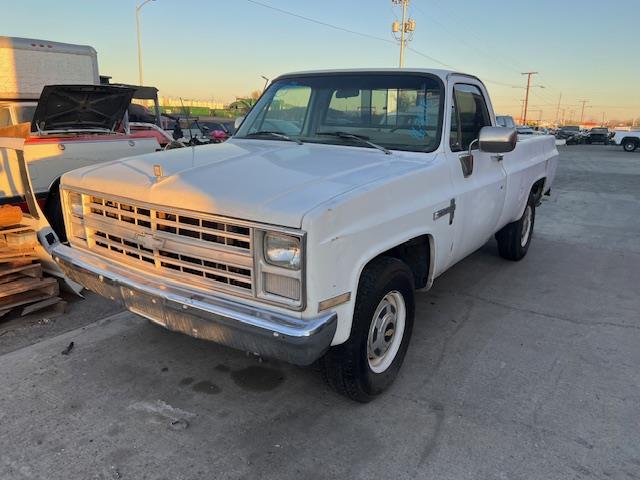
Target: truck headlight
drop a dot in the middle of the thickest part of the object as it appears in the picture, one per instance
(282, 251)
(73, 210)
(280, 267)
(75, 204)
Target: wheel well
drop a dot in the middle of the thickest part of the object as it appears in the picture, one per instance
(416, 253)
(537, 189)
(633, 139)
(55, 185)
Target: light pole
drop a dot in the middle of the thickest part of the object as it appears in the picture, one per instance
(138, 8)
(266, 82)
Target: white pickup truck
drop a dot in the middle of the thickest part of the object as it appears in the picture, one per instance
(306, 240)
(629, 139)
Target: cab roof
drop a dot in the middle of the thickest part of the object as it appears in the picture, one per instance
(443, 74)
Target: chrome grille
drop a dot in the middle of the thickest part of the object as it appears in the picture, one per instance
(201, 248)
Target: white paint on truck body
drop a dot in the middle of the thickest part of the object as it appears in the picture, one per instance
(353, 203)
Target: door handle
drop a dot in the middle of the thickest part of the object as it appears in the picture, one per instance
(498, 157)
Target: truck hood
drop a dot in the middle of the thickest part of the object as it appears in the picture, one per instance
(80, 107)
(265, 181)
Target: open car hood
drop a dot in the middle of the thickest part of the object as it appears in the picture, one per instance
(80, 108)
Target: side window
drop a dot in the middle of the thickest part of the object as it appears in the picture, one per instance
(5, 117)
(470, 114)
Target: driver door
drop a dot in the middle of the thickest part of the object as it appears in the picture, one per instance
(481, 189)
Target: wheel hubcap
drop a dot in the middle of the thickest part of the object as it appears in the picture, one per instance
(526, 226)
(386, 331)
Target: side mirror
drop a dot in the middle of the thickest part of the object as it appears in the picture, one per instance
(237, 122)
(497, 139)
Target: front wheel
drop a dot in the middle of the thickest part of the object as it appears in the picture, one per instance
(514, 239)
(629, 145)
(369, 361)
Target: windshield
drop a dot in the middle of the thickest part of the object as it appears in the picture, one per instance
(395, 111)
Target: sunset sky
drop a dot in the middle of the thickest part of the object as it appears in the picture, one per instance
(219, 49)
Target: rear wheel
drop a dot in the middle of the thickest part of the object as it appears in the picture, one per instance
(369, 361)
(514, 239)
(629, 145)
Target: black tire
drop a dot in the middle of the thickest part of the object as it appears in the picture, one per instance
(346, 368)
(53, 212)
(629, 145)
(510, 238)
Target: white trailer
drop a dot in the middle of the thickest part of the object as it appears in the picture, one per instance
(27, 65)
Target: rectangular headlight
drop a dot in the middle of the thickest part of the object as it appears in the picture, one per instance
(280, 267)
(73, 210)
(282, 250)
(74, 200)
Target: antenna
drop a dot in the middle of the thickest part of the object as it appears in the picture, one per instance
(186, 114)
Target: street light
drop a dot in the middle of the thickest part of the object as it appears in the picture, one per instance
(266, 82)
(138, 8)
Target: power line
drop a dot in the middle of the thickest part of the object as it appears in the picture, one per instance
(457, 37)
(347, 30)
(319, 22)
(372, 37)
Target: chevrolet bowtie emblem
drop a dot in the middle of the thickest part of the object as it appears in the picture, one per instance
(157, 171)
(149, 241)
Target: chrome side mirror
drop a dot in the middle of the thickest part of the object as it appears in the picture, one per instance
(497, 139)
(237, 122)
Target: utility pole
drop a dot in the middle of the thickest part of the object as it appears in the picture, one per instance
(526, 98)
(138, 8)
(558, 109)
(583, 102)
(405, 29)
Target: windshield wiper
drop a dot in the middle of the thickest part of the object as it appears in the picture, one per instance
(359, 138)
(274, 134)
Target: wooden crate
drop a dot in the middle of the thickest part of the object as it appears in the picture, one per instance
(22, 283)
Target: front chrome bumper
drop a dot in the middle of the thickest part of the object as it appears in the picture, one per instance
(209, 317)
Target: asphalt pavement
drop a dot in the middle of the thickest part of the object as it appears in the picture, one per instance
(523, 370)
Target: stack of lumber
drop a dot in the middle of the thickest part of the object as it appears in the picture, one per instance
(21, 281)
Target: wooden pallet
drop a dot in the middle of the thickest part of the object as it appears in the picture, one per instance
(22, 283)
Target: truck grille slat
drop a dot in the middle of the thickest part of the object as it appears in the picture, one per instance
(162, 240)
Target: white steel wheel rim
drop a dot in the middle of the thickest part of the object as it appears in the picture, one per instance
(386, 331)
(526, 226)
